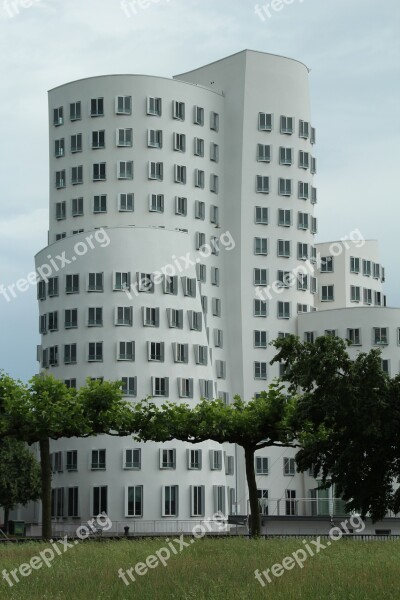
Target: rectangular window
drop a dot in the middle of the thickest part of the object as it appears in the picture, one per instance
(304, 129)
(126, 202)
(264, 121)
(77, 207)
(261, 215)
(75, 111)
(124, 315)
(216, 460)
(214, 152)
(134, 501)
(261, 246)
(59, 148)
(327, 264)
(304, 190)
(61, 210)
(129, 386)
(175, 318)
(214, 121)
(284, 187)
(283, 310)
(155, 351)
(354, 336)
(179, 142)
(380, 336)
(99, 171)
(124, 138)
(99, 500)
(260, 308)
(181, 352)
(285, 156)
(98, 139)
(185, 387)
(302, 220)
(214, 183)
(304, 159)
(122, 281)
(214, 214)
(156, 203)
(151, 316)
(170, 496)
(72, 460)
(167, 458)
(76, 143)
(201, 354)
(260, 370)
(123, 105)
(302, 251)
(261, 465)
(98, 460)
(71, 318)
(327, 293)
(195, 320)
(355, 293)
(58, 116)
(132, 458)
(260, 276)
(69, 354)
(198, 117)
(206, 388)
(95, 351)
(284, 217)
(178, 110)
(219, 498)
(97, 107)
(262, 184)
(291, 503)
(156, 170)
(170, 284)
(260, 339)
(52, 287)
(73, 502)
(72, 284)
(264, 153)
(154, 106)
(189, 286)
(126, 351)
(366, 265)
(200, 212)
(154, 138)
(199, 178)
(125, 169)
(284, 248)
(179, 174)
(77, 175)
(53, 356)
(181, 205)
(287, 125)
(198, 146)
(60, 179)
(354, 265)
(194, 459)
(289, 466)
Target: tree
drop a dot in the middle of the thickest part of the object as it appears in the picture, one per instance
(253, 425)
(47, 410)
(348, 412)
(19, 476)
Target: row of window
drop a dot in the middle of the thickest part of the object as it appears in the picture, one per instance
(286, 126)
(286, 157)
(369, 268)
(126, 203)
(123, 106)
(369, 296)
(380, 336)
(305, 191)
(125, 171)
(124, 139)
(284, 250)
(122, 281)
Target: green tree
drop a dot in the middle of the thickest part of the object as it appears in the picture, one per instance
(47, 410)
(253, 425)
(19, 476)
(348, 413)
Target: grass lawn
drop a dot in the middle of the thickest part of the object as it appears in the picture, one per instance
(208, 569)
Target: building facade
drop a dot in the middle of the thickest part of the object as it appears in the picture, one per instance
(184, 209)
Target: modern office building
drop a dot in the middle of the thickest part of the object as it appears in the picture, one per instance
(185, 210)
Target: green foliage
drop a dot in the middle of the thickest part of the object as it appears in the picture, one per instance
(19, 474)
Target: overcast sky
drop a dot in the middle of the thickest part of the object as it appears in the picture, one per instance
(352, 48)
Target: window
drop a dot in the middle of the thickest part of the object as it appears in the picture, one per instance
(100, 204)
(123, 105)
(313, 165)
(376, 270)
(289, 466)
(170, 496)
(284, 187)
(313, 135)
(285, 156)
(195, 320)
(134, 501)
(214, 183)
(214, 121)
(218, 338)
(198, 117)
(71, 318)
(132, 458)
(59, 148)
(41, 290)
(214, 152)
(60, 179)
(58, 116)
(156, 203)
(283, 310)
(287, 125)
(302, 308)
(123, 315)
(124, 137)
(206, 388)
(98, 460)
(175, 318)
(327, 293)
(156, 170)
(201, 354)
(309, 337)
(304, 159)
(260, 276)
(260, 308)
(69, 354)
(260, 370)
(201, 272)
(198, 146)
(377, 298)
(200, 212)
(219, 499)
(126, 202)
(43, 324)
(262, 184)
(284, 217)
(170, 284)
(216, 307)
(216, 460)
(302, 220)
(179, 174)
(151, 317)
(129, 386)
(302, 251)
(263, 153)
(197, 500)
(77, 207)
(95, 351)
(262, 496)
(380, 336)
(98, 139)
(72, 460)
(126, 351)
(154, 138)
(214, 214)
(181, 205)
(366, 265)
(354, 265)
(52, 287)
(99, 171)
(261, 246)
(260, 339)
(313, 195)
(189, 286)
(178, 110)
(302, 284)
(314, 227)
(185, 387)
(179, 142)
(122, 281)
(220, 367)
(199, 178)
(215, 276)
(304, 129)
(284, 248)
(304, 190)
(97, 107)
(125, 169)
(155, 351)
(77, 175)
(99, 500)
(354, 336)
(72, 284)
(73, 502)
(76, 143)
(264, 121)
(327, 264)
(291, 502)
(367, 296)
(261, 215)
(181, 352)
(61, 210)
(167, 458)
(75, 112)
(385, 364)
(154, 106)
(261, 465)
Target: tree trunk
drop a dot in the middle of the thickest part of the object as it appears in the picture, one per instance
(252, 485)
(46, 487)
(6, 519)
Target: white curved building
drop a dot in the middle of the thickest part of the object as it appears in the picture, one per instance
(180, 244)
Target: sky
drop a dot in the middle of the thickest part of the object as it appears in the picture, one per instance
(352, 49)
